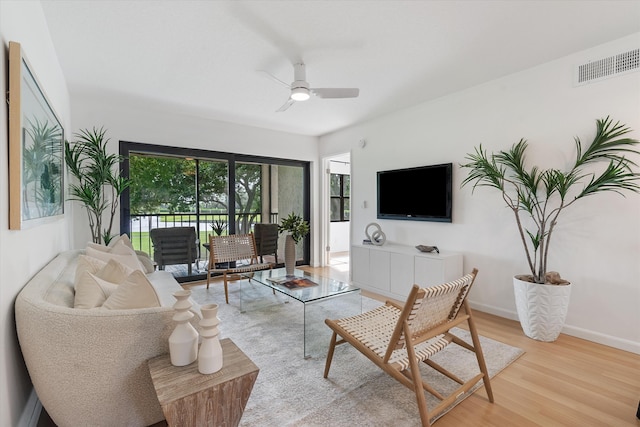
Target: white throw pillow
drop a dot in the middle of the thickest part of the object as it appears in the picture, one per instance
(120, 252)
(99, 247)
(121, 238)
(92, 291)
(135, 292)
(87, 264)
(147, 263)
(114, 272)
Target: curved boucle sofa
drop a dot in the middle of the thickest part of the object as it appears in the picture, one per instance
(89, 367)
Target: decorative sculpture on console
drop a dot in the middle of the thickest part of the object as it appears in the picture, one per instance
(378, 237)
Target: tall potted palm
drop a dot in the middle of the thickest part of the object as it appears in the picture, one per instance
(537, 197)
(98, 183)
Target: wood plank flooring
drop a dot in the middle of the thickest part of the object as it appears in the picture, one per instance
(570, 382)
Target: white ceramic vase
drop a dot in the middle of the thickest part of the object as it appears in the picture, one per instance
(210, 355)
(183, 341)
(542, 309)
(289, 255)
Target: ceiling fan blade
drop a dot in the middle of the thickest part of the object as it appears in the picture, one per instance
(335, 92)
(274, 78)
(286, 105)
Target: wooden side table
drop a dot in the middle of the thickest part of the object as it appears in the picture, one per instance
(189, 398)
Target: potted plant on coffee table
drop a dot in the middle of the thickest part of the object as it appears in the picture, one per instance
(297, 229)
(537, 197)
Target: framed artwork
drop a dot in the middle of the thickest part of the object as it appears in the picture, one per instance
(36, 149)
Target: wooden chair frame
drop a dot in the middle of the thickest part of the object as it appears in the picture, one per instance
(397, 338)
(228, 250)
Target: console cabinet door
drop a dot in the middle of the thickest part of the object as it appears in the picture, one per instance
(429, 271)
(379, 263)
(436, 271)
(360, 265)
(402, 278)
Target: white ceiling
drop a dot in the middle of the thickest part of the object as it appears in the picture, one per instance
(200, 57)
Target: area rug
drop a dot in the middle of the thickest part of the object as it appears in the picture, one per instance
(290, 389)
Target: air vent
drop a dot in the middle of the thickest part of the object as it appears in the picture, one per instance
(604, 68)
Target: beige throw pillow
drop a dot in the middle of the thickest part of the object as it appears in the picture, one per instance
(121, 238)
(88, 264)
(114, 272)
(119, 252)
(92, 291)
(147, 263)
(135, 292)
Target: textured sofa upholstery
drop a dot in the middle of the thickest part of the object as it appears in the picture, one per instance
(89, 367)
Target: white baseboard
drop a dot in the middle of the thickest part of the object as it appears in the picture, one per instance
(31, 413)
(597, 337)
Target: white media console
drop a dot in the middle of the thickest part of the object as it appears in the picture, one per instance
(391, 270)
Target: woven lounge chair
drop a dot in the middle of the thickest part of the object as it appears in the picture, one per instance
(232, 255)
(397, 338)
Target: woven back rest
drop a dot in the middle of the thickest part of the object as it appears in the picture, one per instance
(436, 305)
(232, 248)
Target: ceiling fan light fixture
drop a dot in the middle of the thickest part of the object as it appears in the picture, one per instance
(300, 94)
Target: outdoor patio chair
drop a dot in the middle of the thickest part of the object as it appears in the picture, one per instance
(266, 236)
(397, 338)
(174, 245)
(232, 255)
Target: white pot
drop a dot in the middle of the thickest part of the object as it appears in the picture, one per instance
(542, 309)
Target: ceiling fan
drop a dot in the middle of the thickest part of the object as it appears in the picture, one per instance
(301, 91)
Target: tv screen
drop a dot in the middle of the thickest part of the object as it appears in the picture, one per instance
(421, 193)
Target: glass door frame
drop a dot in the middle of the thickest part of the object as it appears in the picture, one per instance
(128, 147)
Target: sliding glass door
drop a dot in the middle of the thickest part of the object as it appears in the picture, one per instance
(177, 187)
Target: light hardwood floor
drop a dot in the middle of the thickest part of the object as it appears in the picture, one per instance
(570, 382)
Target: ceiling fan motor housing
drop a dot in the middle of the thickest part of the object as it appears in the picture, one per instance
(300, 90)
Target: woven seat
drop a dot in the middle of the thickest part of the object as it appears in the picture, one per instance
(426, 319)
(233, 254)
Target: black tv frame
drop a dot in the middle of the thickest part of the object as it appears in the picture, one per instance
(447, 217)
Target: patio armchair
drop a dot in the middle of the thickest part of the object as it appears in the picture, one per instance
(174, 245)
(398, 338)
(266, 237)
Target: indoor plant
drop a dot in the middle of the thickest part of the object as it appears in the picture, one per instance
(98, 183)
(537, 197)
(297, 229)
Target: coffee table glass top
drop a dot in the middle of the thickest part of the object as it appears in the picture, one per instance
(302, 286)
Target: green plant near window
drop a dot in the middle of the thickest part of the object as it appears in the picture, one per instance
(98, 183)
(294, 225)
(540, 195)
(218, 226)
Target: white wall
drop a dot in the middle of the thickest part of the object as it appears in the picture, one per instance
(597, 242)
(24, 252)
(132, 121)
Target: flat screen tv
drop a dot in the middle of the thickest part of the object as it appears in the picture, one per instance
(421, 193)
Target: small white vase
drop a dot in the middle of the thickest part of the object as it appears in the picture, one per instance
(542, 309)
(183, 341)
(210, 355)
(289, 255)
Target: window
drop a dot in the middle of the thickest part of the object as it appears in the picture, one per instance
(340, 191)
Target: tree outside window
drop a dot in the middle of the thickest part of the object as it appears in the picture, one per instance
(340, 193)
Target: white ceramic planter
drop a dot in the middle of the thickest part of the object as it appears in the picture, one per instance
(542, 309)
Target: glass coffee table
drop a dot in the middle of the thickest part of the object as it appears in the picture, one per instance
(313, 291)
